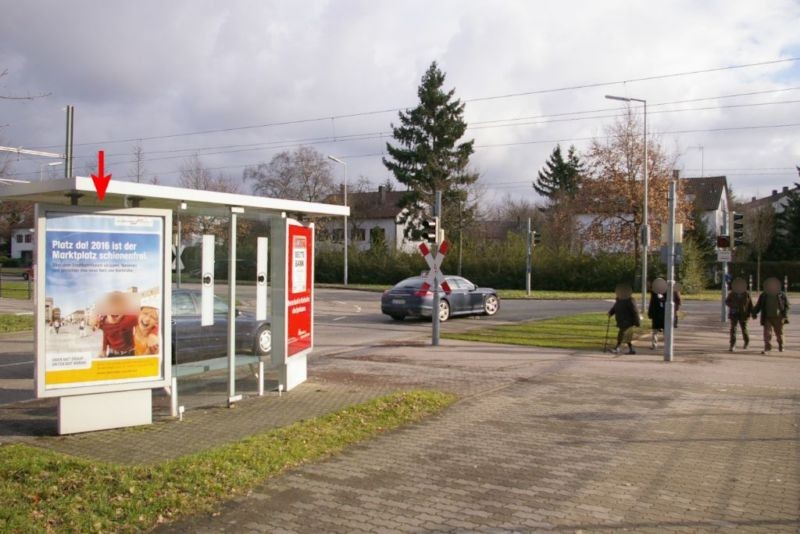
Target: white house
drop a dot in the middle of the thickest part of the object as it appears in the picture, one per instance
(708, 194)
(22, 242)
(375, 216)
(710, 197)
(778, 200)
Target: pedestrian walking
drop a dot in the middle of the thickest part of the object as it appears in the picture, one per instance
(82, 328)
(657, 309)
(773, 305)
(676, 299)
(626, 314)
(740, 308)
(57, 325)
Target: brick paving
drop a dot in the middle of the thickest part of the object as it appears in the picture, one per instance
(548, 441)
(541, 440)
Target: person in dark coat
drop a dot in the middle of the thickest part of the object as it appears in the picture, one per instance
(740, 308)
(773, 305)
(676, 296)
(657, 309)
(626, 314)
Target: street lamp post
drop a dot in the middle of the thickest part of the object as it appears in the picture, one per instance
(346, 240)
(645, 210)
(43, 165)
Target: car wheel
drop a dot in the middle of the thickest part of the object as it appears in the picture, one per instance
(263, 341)
(25, 276)
(398, 317)
(491, 305)
(444, 310)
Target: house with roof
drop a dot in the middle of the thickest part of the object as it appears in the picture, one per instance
(777, 200)
(709, 196)
(21, 246)
(711, 199)
(374, 217)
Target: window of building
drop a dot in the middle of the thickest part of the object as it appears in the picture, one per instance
(358, 234)
(19, 238)
(28, 238)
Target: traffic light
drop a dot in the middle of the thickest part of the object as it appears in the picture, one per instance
(430, 230)
(738, 229)
(536, 237)
(723, 241)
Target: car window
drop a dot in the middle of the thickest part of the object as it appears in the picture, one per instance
(182, 304)
(466, 284)
(410, 282)
(455, 283)
(220, 306)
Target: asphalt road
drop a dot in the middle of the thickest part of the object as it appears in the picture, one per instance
(345, 320)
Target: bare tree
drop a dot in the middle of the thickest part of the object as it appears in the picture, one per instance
(139, 170)
(195, 175)
(12, 213)
(304, 174)
(759, 230)
(3, 74)
(613, 193)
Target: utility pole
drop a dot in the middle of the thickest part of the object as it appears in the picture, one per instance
(724, 275)
(529, 263)
(437, 212)
(669, 312)
(68, 150)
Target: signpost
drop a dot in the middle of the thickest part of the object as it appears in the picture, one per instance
(433, 281)
(107, 271)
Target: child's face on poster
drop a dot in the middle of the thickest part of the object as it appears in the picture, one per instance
(116, 305)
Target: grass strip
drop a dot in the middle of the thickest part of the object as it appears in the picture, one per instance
(538, 294)
(15, 290)
(10, 322)
(583, 331)
(44, 491)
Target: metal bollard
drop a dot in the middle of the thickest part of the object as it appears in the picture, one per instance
(260, 379)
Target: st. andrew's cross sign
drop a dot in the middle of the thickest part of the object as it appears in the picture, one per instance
(434, 278)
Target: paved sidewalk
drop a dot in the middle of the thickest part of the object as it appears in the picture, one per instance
(542, 439)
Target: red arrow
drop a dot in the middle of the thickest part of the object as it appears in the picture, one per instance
(101, 181)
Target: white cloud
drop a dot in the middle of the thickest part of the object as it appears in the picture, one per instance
(148, 68)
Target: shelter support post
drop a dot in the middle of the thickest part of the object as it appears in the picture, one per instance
(232, 396)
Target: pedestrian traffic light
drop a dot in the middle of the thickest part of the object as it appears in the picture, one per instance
(536, 237)
(430, 230)
(738, 229)
(723, 241)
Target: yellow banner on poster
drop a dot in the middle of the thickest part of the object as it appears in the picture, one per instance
(107, 369)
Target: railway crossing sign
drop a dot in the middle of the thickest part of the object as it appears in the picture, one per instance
(434, 278)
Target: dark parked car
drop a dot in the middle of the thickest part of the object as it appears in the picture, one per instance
(27, 274)
(407, 299)
(192, 342)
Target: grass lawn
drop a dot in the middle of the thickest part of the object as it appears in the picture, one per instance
(10, 322)
(44, 491)
(584, 331)
(538, 294)
(15, 289)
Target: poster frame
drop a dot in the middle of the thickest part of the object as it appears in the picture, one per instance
(40, 329)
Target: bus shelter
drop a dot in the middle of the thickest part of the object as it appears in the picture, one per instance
(105, 268)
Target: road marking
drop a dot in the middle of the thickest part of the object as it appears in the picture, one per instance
(358, 308)
(340, 318)
(13, 364)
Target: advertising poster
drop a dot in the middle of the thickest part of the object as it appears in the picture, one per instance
(300, 282)
(104, 287)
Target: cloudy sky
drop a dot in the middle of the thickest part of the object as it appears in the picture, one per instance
(232, 74)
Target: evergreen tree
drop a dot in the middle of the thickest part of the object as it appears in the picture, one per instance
(702, 237)
(560, 176)
(786, 244)
(428, 156)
